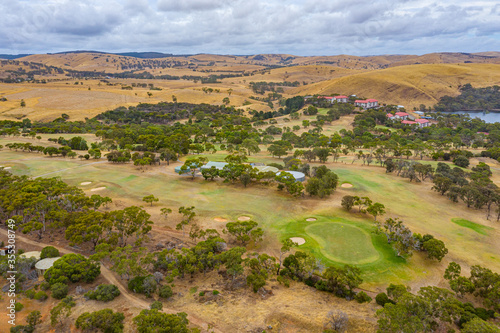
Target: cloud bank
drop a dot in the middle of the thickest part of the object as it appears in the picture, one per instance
(309, 27)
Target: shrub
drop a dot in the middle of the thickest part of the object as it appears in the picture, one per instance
(382, 298)
(49, 252)
(362, 297)
(143, 285)
(41, 296)
(18, 307)
(101, 321)
(461, 161)
(156, 305)
(103, 293)
(30, 293)
(136, 284)
(44, 286)
(283, 280)
(215, 292)
(59, 290)
(322, 285)
(165, 292)
(73, 267)
(202, 293)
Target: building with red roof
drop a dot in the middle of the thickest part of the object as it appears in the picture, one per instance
(366, 103)
(401, 115)
(423, 122)
(389, 115)
(341, 99)
(408, 122)
(328, 98)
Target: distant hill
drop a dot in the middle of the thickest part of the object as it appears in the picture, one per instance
(408, 80)
(409, 85)
(12, 56)
(145, 55)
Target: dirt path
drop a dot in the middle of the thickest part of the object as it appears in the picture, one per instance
(111, 278)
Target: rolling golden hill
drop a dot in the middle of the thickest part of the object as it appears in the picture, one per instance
(111, 63)
(407, 80)
(410, 85)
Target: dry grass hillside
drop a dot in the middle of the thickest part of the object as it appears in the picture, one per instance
(112, 63)
(407, 80)
(409, 85)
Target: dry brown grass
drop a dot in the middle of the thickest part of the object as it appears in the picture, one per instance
(409, 85)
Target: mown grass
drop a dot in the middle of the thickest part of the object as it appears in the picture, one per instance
(343, 242)
(479, 228)
(359, 245)
(282, 216)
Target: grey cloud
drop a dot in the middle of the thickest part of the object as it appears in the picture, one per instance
(190, 5)
(241, 27)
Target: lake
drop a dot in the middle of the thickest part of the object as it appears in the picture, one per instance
(491, 117)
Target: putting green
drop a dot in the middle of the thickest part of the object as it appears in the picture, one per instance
(343, 242)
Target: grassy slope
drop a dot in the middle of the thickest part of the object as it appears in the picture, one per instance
(409, 85)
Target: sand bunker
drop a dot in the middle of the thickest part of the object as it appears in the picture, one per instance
(220, 219)
(244, 218)
(311, 219)
(298, 240)
(346, 185)
(86, 183)
(7, 168)
(98, 189)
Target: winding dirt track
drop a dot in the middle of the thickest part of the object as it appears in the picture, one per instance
(110, 276)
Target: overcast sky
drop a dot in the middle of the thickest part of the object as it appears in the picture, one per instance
(308, 27)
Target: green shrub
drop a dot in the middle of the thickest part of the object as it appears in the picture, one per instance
(30, 293)
(461, 161)
(382, 298)
(59, 290)
(136, 284)
(284, 281)
(202, 293)
(44, 286)
(101, 321)
(322, 285)
(156, 305)
(165, 292)
(41, 296)
(49, 252)
(215, 292)
(73, 267)
(362, 297)
(103, 293)
(18, 307)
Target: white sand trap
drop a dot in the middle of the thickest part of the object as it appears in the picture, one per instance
(220, 219)
(86, 183)
(244, 218)
(298, 240)
(346, 185)
(311, 219)
(98, 189)
(7, 168)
